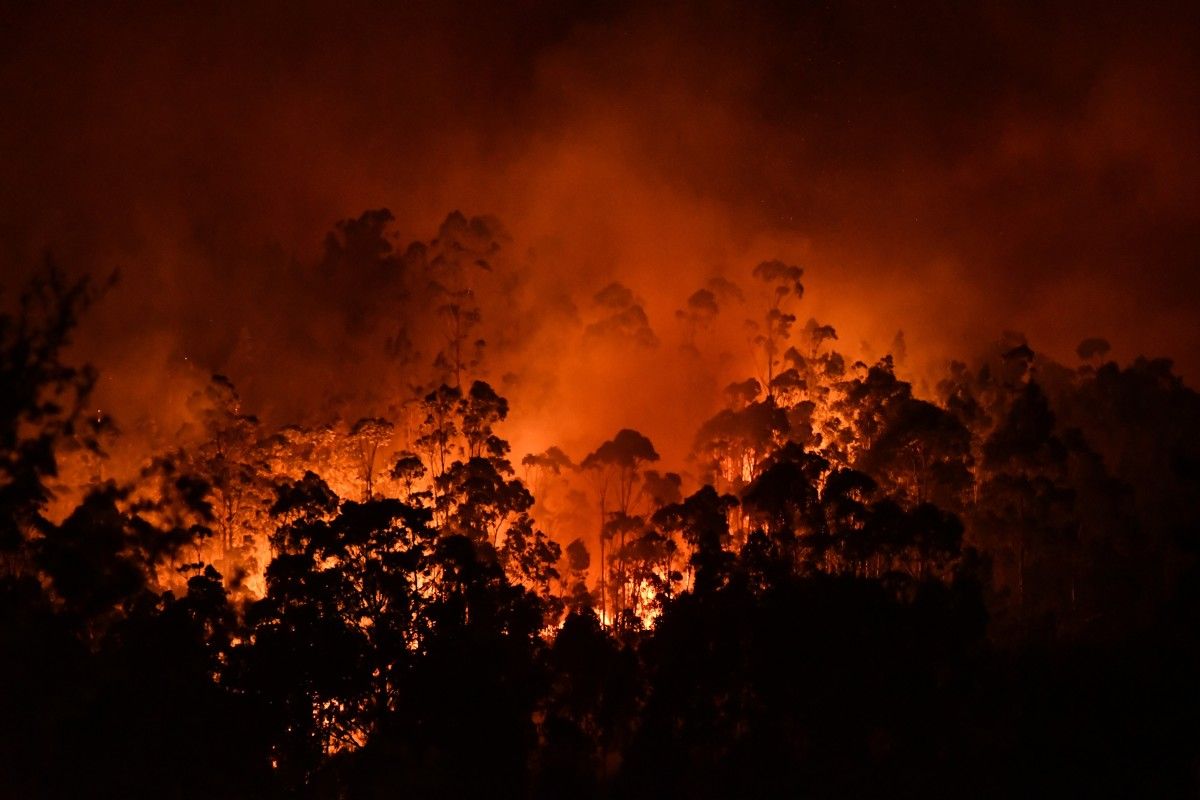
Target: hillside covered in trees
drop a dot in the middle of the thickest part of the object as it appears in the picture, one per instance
(981, 583)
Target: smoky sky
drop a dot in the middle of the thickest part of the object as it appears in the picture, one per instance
(951, 169)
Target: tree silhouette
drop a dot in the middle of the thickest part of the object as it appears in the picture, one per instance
(851, 588)
(783, 282)
(366, 437)
(615, 468)
(624, 318)
(44, 398)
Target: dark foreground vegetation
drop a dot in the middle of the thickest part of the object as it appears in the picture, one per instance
(866, 594)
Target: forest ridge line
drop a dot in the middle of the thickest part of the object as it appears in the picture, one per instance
(365, 592)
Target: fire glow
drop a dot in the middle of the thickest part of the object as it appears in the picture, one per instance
(599, 400)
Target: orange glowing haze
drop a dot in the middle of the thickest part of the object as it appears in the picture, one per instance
(594, 398)
(949, 172)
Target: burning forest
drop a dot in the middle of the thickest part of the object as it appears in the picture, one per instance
(643, 473)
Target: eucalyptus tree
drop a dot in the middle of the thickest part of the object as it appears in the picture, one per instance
(615, 471)
(784, 285)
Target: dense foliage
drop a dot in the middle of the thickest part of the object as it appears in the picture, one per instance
(863, 592)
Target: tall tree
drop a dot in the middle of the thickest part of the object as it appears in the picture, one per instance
(366, 437)
(783, 283)
(615, 468)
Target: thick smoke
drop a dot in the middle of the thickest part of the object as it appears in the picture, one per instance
(952, 172)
